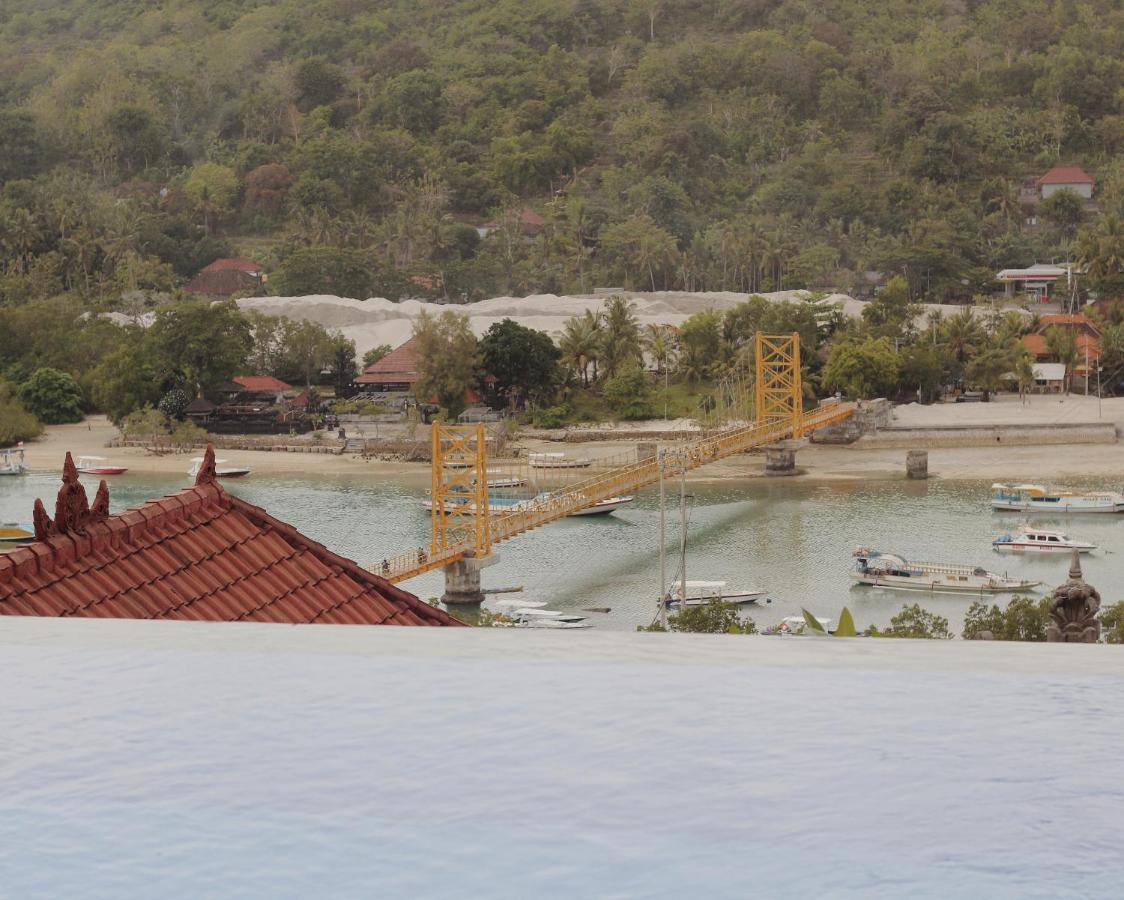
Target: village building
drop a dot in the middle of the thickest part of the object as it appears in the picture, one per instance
(199, 555)
(226, 277)
(390, 380)
(1039, 282)
(1066, 178)
(1087, 340)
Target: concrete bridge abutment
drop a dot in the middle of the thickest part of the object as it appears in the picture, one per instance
(462, 580)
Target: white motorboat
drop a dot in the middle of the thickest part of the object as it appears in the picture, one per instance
(98, 465)
(555, 461)
(1036, 498)
(12, 461)
(220, 470)
(700, 593)
(1039, 540)
(889, 570)
(534, 617)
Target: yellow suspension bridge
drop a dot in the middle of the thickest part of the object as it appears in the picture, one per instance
(464, 527)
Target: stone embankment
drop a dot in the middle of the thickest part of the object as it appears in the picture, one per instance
(906, 437)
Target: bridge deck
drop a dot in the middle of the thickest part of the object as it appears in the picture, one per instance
(615, 482)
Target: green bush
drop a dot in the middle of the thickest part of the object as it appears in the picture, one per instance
(551, 416)
(1112, 623)
(1023, 620)
(52, 397)
(914, 622)
(16, 423)
(629, 394)
(358, 406)
(718, 617)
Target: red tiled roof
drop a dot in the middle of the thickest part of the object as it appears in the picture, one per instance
(202, 555)
(237, 262)
(261, 383)
(221, 283)
(1066, 175)
(401, 361)
(1036, 344)
(1078, 319)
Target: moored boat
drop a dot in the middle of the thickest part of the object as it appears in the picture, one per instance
(889, 570)
(555, 461)
(97, 465)
(12, 461)
(701, 593)
(220, 471)
(498, 506)
(1039, 540)
(16, 533)
(1037, 498)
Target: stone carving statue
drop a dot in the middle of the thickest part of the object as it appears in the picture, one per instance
(1073, 609)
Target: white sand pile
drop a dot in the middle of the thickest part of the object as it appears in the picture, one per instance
(378, 321)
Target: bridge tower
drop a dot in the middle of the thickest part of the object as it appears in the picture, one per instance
(460, 508)
(780, 396)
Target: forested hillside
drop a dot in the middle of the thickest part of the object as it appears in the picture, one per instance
(351, 145)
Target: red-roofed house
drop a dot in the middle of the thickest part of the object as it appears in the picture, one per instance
(199, 555)
(225, 277)
(265, 383)
(1086, 337)
(1066, 178)
(236, 263)
(396, 372)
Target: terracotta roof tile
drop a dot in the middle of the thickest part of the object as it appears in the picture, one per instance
(198, 555)
(261, 383)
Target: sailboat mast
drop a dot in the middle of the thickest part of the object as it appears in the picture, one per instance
(683, 537)
(663, 547)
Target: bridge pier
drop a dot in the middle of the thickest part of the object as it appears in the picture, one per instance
(780, 458)
(462, 581)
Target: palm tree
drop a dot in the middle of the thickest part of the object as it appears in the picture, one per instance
(1100, 249)
(621, 342)
(660, 343)
(1062, 344)
(579, 344)
(963, 335)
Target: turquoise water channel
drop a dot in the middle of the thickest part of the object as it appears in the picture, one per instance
(792, 538)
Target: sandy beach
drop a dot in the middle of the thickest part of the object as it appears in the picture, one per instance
(1055, 462)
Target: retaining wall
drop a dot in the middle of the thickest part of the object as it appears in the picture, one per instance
(901, 437)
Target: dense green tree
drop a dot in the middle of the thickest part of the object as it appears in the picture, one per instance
(204, 343)
(700, 344)
(524, 361)
(1063, 210)
(327, 270)
(448, 360)
(629, 394)
(1024, 619)
(373, 355)
(52, 396)
(863, 370)
(16, 423)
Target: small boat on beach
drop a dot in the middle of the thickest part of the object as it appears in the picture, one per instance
(1037, 498)
(500, 480)
(97, 465)
(220, 471)
(889, 570)
(12, 461)
(1039, 540)
(701, 593)
(555, 461)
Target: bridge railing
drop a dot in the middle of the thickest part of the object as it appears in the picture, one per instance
(623, 479)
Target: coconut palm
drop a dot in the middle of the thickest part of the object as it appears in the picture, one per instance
(579, 344)
(621, 342)
(659, 342)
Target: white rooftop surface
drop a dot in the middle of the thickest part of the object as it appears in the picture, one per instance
(173, 759)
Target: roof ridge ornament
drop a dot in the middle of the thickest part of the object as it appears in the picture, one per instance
(207, 473)
(72, 508)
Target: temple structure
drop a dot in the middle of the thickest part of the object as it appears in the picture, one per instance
(201, 554)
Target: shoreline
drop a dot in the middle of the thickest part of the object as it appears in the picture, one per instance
(815, 462)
